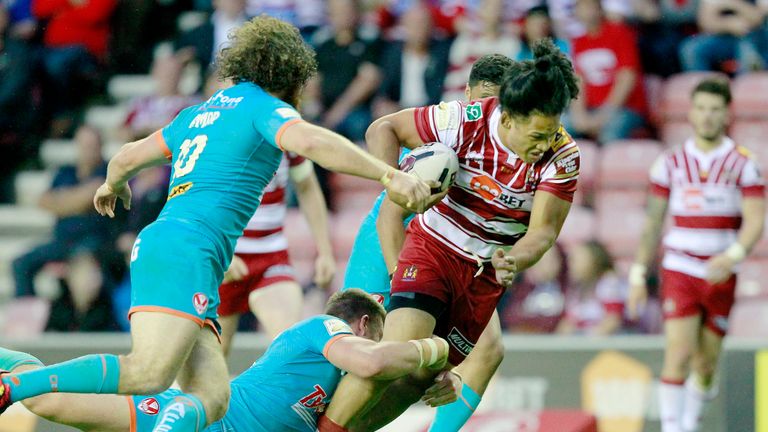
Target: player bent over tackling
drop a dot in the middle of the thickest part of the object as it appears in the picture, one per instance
(285, 390)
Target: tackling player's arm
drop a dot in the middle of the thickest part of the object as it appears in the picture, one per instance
(336, 153)
(547, 217)
(313, 206)
(646, 253)
(386, 360)
(132, 158)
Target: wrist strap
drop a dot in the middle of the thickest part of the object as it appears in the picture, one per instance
(387, 177)
(736, 252)
(637, 273)
(420, 348)
(433, 355)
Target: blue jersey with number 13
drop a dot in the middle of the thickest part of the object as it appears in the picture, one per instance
(224, 152)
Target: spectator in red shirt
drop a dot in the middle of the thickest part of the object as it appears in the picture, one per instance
(612, 103)
(75, 42)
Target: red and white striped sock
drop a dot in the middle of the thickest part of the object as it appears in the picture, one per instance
(671, 398)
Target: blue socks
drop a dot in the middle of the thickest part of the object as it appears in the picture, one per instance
(185, 413)
(10, 360)
(95, 373)
(451, 417)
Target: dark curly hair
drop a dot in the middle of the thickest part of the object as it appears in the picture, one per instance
(544, 85)
(271, 54)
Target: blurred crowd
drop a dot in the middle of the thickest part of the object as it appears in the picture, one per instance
(374, 57)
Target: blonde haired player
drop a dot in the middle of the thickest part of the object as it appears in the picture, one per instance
(716, 196)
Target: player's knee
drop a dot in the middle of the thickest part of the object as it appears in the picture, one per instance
(138, 376)
(216, 402)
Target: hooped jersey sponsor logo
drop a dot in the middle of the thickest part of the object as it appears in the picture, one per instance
(149, 406)
(487, 188)
(200, 302)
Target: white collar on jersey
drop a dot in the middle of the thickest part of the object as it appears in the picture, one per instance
(493, 125)
(706, 159)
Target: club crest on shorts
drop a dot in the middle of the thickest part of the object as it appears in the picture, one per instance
(410, 272)
(200, 301)
(149, 406)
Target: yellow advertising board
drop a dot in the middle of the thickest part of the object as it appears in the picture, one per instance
(615, 388)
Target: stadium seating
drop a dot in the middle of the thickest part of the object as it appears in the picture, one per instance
(580, 226)
(675, 133)
(30, 185)
(590, 162)
(749, 101)
(620, 219)
(123, 88)
(624, 164)
(301, 244)
(753, 135)
(676, 94)
(750, 319)
(107, 119)
(752, 279)
(654, 91)
(24, 317)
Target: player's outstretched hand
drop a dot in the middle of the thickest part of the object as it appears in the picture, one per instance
(325, 270)
(446, 389)
(505, 266)
(408, 191)
(719, 269)
(106, 198)
(237, 270)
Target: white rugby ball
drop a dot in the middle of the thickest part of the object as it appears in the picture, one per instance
(432, 162)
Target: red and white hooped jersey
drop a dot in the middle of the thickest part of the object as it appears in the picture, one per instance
(705, 192)
(264, 232)
(490, 203)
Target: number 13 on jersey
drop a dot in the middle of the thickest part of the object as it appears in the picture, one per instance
(188, 154)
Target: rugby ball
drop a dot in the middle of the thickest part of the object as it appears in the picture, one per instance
(432, 162)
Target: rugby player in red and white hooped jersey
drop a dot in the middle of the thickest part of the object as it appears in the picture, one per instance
(517, 176)
(260, 277)
(716, 197)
